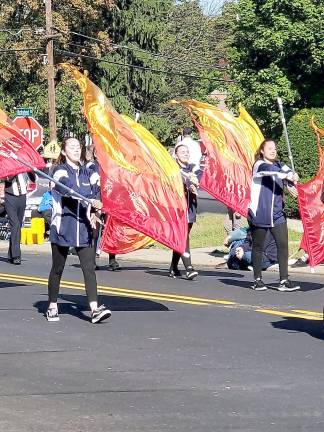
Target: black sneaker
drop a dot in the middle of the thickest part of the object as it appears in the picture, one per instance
(175, 273)
(259, 285)
(191, 273)
(52, 315)
(288, 285)
(113, 265)
(100, 314)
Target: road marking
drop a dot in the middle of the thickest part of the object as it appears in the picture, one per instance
(122, 290)
(197, 301)
(314, 316)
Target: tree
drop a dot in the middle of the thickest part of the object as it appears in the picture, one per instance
(23, 73)
(277, 50)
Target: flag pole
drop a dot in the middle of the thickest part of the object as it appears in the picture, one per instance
(44, 175)
(284, 125)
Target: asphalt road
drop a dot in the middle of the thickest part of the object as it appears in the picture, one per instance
(208, 355)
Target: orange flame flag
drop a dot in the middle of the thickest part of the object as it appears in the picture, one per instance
(312, 209)
(12, 141)
(141, 184)
(230, 145)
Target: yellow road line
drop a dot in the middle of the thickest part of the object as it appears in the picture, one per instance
(105, 291)
(302, 311)
(290, 314)
(124, 290)
(197, 301)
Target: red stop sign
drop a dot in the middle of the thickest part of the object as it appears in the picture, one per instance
(32, 130)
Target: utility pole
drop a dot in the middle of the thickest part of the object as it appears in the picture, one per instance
(50, 71)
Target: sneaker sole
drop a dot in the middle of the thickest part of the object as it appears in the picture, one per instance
(105, 315)
(260, 289)
(288, 289)
(56, 319)
(192, 276)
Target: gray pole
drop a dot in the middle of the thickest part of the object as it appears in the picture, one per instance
(283, 120)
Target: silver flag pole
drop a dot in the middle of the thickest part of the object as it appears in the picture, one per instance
(284, 125)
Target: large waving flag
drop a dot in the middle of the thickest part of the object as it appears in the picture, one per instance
(311, 208)
(141, 185)
(14, 143)
(231, 143)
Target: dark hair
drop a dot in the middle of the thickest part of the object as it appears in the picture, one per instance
(187, 131)
(62, 158)
(258, 154)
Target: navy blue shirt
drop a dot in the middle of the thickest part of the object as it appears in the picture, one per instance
(71, 216)
(266, 207)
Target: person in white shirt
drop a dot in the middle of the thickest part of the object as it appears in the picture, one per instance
(193, 146)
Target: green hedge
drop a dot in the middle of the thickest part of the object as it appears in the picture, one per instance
(304, 149)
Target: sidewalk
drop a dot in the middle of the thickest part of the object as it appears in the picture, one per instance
(201, 257)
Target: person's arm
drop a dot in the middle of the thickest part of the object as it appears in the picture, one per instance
(61, 175)
(263, 169)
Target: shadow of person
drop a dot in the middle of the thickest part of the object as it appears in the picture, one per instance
(312, 327)
(77, 305)
(210, 273)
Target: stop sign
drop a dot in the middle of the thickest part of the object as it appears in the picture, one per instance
(32, 130)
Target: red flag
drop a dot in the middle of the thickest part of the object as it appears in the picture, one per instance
(13, 142)
(311, 209)
(118, 238)
(141, 185)
(230, 144)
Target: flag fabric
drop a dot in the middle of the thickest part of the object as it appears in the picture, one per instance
(13, 141)
(141, 185)
(311, 209)
(118, 238)
(230, 143)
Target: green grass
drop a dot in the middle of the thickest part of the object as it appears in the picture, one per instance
(209, 231)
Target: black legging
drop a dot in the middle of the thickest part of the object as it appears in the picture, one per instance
(15, 208)
(280, 234)
(186, 258)
(87, 261)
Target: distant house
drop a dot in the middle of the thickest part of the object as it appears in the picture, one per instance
(220, 97)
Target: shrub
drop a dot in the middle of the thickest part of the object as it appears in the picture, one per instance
(303, 147)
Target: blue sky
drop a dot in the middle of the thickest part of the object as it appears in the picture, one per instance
(212, 5)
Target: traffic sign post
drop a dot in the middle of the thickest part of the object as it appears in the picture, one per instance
(31, 129)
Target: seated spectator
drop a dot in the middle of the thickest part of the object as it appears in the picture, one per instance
(241, 250)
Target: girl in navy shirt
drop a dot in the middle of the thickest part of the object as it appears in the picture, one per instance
(72, 226)
(266, 211)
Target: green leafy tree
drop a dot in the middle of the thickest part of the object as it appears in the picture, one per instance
(23, 73)
(277, 50)
(304, 148)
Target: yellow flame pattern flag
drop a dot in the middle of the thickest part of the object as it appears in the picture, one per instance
(141, 185)
(230, 143)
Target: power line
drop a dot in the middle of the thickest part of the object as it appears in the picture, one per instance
(158, 71)
(8, 50)
(118, 46)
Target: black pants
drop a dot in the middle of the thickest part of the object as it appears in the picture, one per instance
(15, 208)
(87, 261)
(186, 258)
(280, 234)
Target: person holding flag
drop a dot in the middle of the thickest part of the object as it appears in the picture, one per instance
(266, 212)
(72, 226)
(190, 178)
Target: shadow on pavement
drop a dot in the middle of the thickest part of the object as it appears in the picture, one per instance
(76, 305)
(313, 328)
(304, 286)
(211, 273)
(11, 284)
